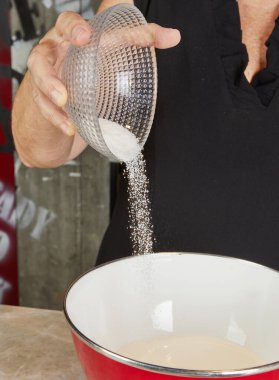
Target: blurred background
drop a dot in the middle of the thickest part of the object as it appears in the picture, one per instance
(51, 220)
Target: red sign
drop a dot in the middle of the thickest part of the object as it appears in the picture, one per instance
(8, 254)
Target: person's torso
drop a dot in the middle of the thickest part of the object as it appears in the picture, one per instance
(213, 151)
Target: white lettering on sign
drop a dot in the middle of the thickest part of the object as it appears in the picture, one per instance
(12, 220)
(4, 286)
(26, 211)
(7, 200)
(44, 218)
(29, 213)
(4, 244)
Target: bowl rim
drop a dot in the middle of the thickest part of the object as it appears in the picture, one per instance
(158, 368)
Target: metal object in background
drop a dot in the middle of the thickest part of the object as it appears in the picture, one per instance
(8, 253)
(25, 13)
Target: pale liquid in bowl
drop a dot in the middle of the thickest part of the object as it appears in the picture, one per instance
(192, 352)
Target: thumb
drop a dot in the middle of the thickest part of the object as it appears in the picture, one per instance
(162, 38)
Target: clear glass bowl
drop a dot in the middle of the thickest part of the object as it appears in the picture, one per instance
(114, 77)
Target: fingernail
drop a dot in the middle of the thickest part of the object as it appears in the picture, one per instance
(176, 31)
(68, 128)
(57, 97)
(78, 32)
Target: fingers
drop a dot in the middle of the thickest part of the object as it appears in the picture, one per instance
(46, 58)
(44, 76)
(163, 38)
(53, 114)
(72, 27)
(142, 36)
(45, 62)
(153, 35)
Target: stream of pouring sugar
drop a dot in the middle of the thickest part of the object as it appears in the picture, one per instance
(140, 222)
(124, 145)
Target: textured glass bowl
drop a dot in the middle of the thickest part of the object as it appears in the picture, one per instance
(114, 77)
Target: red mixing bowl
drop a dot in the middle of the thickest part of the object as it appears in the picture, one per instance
(174, 294)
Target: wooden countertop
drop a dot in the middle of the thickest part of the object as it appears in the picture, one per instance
(36, 344)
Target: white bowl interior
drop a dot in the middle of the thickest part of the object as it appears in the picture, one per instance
(146, 296)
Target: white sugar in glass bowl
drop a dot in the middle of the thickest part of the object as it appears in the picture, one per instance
(112, 81)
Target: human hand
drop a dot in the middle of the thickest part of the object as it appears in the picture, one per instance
(45, 64)
(46, 61)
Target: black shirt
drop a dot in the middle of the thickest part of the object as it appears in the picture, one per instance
(213, 151)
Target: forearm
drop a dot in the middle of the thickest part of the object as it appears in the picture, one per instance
(38, 142)
(109, 3)
(43, 133)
